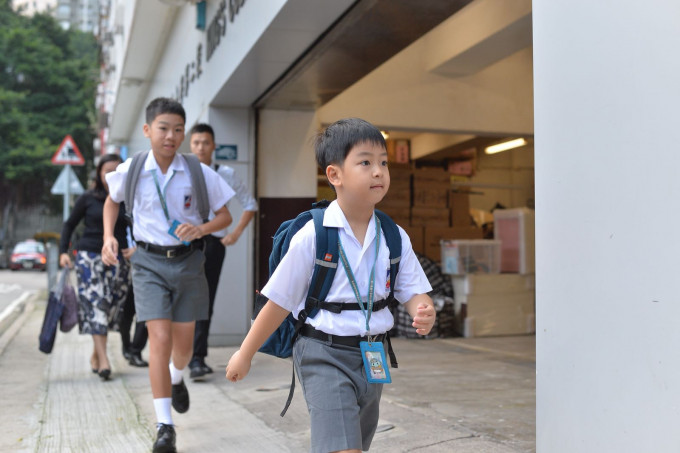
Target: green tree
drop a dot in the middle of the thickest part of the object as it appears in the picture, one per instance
(48, 81)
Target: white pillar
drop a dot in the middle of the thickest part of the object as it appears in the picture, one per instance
(607, 86)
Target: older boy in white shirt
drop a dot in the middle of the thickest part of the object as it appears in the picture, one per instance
(170, 288)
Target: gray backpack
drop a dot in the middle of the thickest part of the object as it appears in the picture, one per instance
(197, 182)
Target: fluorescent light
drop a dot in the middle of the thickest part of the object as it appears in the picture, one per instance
(516, 143)
(385, 134)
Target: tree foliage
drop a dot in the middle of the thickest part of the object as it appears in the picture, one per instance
(48, 81)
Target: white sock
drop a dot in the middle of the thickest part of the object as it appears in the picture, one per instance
(175, 374)
(163, 414)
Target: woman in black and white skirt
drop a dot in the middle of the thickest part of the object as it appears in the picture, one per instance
(102, 289)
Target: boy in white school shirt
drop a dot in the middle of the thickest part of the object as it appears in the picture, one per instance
(342, 403)
(171, 291)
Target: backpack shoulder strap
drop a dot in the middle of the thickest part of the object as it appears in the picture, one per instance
(132, 180)
(325, 261)
(198, 182)
(325, 265)
(393, 239)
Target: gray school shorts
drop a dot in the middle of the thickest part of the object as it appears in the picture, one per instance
(169, 288)
(343, 406)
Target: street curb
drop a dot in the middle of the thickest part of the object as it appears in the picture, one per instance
(9, 315)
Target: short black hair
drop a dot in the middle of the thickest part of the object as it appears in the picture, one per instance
(160, 106)
(201, 128)
(334, 144)
(99, 189)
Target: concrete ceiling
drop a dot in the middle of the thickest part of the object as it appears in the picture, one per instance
(368, 34)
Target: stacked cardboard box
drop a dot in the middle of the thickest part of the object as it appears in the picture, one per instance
(494, 304)
(397, 202)
(430, 198)
(459, 204)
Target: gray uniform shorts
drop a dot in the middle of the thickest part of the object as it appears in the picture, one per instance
(169, 288)
(343, 406)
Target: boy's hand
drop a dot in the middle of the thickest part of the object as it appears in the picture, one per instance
(229, 239)
(424, 318)
(110, 251)
(188, 232)
(238, 367)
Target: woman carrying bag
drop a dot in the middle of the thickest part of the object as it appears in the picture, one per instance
(101, 289)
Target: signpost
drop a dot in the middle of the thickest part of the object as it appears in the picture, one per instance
(67, 154)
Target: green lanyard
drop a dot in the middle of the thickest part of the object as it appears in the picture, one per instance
(366, 309)
(161, 194)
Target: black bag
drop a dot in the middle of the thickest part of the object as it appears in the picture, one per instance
(53, 312)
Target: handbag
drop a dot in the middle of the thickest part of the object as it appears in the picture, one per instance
(53, 312)
(69, 315)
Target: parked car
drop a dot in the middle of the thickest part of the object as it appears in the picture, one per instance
(28, 254)
(3, 257)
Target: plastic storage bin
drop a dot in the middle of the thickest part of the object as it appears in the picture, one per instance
(515, 229)
(473, 256)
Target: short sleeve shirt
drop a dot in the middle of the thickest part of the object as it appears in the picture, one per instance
(151, 224)
(289, 283)
(243, 195)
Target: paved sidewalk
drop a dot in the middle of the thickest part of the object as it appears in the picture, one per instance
(462, 395)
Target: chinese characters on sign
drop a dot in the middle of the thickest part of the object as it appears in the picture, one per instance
(216, 30)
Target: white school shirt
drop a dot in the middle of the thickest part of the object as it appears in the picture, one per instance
(151, 225)
(243, 195)
(289, 283)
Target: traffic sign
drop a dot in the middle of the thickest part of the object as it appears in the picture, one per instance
(68, 153)
(67, 177)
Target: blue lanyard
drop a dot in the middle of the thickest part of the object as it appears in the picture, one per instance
(161, 194)
(367, 308)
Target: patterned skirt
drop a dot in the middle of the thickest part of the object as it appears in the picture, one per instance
(102, 291)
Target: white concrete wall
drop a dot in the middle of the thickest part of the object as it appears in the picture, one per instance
(607, 287)
(286, 162)
(234, 298)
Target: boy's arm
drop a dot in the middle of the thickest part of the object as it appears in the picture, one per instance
(189, 232)
(421, 309)
(110, 247)
(233, 236)
(270, 318)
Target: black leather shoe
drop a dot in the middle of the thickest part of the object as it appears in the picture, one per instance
(197, 370)
(180, 397)
(136, 360)
(207, 369)
(165, 439)
(127, 354)
(105, 374)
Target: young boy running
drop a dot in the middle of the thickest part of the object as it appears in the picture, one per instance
(343, 402)
(169, 282)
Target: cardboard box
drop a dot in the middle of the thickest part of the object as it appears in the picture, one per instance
(400, 175)
(461, 167)
(431, 193)
(400, 214)
(459, 203)
(417, 236)
(432, 174)
(433, 236)
(426, 216)
(397, 196)
(494, 304)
